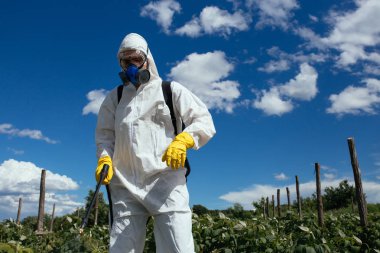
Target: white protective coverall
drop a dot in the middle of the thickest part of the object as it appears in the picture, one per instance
(135, 133)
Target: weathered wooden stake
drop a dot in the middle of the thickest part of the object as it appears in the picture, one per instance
(319, 195)
(96, 209)
(298, 197)
(278, 203)
(19, 210)
(273, 206)
(52, 219)
(288, 195)
(41, 207)
(362, 205)
(267, 203)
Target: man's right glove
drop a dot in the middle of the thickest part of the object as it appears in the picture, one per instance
(101, 162)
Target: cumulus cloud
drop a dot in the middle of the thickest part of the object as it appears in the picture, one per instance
(213, 20)
(278, 100)
(283, 60)
(353, 34)
(162, 12)
(254, 193)
(22, 179)
(354, 31)
(204, 75)
(271, 102)
(303, 86)
(8, 129)
(356, 100)
(281, 176)
(275, 66)
(273, 13)
(95, 98)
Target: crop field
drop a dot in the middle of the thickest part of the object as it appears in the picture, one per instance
(215, 231)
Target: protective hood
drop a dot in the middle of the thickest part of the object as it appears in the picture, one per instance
(137, 42)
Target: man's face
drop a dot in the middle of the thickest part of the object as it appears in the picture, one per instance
(135, 57)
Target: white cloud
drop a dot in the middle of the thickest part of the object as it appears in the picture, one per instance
(32, 134)
(272, 104)
(96, 98)
(22, 179)
(284, 60)
(309, 35)
(313, 18)
(192, 28)
(213, 20)
(357, 27)
(281, 176)
(278, 100)
(16, 151)
(356, 100)
(255, 192)
(372, 69)
(211, 88)
(274, 13)
(162, 12)
(275, 66)
(354, 34)
(329, 176)
(303, 86)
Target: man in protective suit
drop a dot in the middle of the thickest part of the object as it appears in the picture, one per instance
(135, 137)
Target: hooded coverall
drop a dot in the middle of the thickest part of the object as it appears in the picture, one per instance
(135, 133)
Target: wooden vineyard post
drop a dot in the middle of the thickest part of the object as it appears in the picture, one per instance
(96, 209)
(362, 205)
(273, 206)
(298, 197)
(41, 206)
(278, 203)
(319, 195)
(19, 211)
(52, 219)
(288, 195)
(267, 203)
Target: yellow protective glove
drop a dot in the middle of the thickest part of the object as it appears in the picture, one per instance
(175, 154)
(101, 162)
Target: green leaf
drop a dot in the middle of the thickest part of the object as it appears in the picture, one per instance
(357, 239)
(341, 234)
(310, 250)
(222, 216)
(305, 229)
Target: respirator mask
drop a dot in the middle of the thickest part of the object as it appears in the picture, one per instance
(132, 61)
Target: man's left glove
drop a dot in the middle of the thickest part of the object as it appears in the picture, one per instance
(175, 154)
(101, 162)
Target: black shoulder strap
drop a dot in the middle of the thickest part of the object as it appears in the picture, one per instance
(119, 92)
(168, 96)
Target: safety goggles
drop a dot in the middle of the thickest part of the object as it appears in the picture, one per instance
(135, 57)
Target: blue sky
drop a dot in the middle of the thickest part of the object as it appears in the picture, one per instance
(286, 81)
